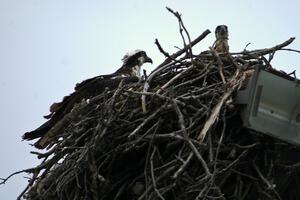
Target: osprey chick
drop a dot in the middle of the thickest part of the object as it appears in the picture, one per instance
(221, 43)
(129, 72)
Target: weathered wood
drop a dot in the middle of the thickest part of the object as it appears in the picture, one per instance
(188, 144)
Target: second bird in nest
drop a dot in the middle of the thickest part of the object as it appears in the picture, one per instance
(221, 43)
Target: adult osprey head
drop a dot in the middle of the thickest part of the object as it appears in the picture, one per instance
(221, 43)
(129, 72)
(132, 63)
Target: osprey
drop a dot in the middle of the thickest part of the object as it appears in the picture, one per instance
(129, 72)
(221, 43)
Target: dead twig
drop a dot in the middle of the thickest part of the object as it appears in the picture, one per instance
(111, 147)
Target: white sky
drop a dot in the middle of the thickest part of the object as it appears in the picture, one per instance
(47, 46)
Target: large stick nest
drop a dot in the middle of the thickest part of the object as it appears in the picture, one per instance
(176, 135)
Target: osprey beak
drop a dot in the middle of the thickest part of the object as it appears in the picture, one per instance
(148, 60)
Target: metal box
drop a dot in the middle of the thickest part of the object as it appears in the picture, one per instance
(271, 105)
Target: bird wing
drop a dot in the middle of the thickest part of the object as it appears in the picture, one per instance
(90, 80)
(91, 88)
(58, 105)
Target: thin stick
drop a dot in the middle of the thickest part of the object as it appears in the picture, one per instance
(220, 64)
(232, 85)
(153, 176)
(262, 52)
(152, 116)
(182, 27)
(181, 51)
(162, 88)
(185, 135)
(164, 64)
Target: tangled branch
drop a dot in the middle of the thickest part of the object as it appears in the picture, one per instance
(184, 140)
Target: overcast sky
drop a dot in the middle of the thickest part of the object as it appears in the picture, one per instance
(47, 46)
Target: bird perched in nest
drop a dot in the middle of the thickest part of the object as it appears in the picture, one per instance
(129, 72)
(221, 43)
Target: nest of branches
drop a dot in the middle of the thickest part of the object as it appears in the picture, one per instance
(175, 135)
